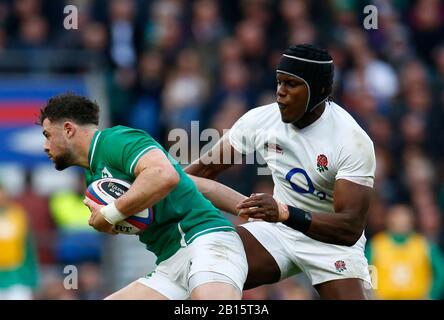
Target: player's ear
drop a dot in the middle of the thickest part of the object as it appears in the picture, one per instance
(69, 129)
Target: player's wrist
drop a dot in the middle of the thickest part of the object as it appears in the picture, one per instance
(111, 214)
(298, 219)
(283, 211)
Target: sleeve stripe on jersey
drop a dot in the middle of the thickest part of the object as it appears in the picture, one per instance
(139, 155)
(94, 149)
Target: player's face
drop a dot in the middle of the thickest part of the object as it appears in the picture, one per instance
(291, 95)
(56, 145)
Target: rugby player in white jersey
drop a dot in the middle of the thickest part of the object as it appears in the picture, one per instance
(323, 165)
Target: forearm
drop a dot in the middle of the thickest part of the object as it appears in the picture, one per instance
(198, 169)
(335, 228)
(150, 186)
(209, 171)
(344, 226)
(222, 197)
(221, 157)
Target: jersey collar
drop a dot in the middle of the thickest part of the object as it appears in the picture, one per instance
(318, 121)
(92, 147)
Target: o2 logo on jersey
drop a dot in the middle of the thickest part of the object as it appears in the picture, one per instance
(311, 189)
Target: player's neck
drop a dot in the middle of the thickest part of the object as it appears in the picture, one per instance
(84, 145)
(310, 117)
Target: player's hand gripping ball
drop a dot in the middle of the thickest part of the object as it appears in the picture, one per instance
(105, 191)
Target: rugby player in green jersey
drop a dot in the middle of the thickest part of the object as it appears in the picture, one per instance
(199, 254)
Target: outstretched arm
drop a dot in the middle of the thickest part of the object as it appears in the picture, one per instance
(221, 157)
(222, 197)
(344, 226)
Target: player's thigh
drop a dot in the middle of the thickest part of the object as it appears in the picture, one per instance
(262, 266)
(136, 291)
(344, 289)
(336, 271)
(216, 291)
(217, 257)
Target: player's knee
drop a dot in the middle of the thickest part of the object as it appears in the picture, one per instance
(216, 291)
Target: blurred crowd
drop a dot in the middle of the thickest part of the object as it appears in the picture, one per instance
(166, 63)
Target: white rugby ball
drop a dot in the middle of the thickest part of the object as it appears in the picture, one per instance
(105, 191)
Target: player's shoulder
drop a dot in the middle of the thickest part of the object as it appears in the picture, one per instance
(121, 129)
(261, 114)
(347, 127)
(265, 110)
(123, 132)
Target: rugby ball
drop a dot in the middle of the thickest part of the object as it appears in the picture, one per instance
(105, 191)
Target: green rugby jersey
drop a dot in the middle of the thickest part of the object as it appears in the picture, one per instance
(180, 217)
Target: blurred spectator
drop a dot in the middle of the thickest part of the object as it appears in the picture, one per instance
(52, 287)
(125, 35)
(206, 31)
(90, 282)
(3, 39)
(40, 221)
(150, 86)
(33, 34)
(251, 36)
(232, 84)
(94, 37)
(163, 29)
(426, 18)
(206, 26)
(231, 110)
(76, 241)
(185, 92)
(408, 265)
(376, 216)
(376, 78)
(18, 261)
(121, 85)
(21, 10)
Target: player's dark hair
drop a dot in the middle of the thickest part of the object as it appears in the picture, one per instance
(69, 106)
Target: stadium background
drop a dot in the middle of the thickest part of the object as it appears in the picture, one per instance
(157, 65)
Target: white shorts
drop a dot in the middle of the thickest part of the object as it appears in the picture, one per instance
(212, 257)
(294, 252)
(16, 292)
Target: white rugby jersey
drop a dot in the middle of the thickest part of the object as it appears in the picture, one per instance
(305, 163)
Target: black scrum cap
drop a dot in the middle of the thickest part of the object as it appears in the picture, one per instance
(312, 65)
